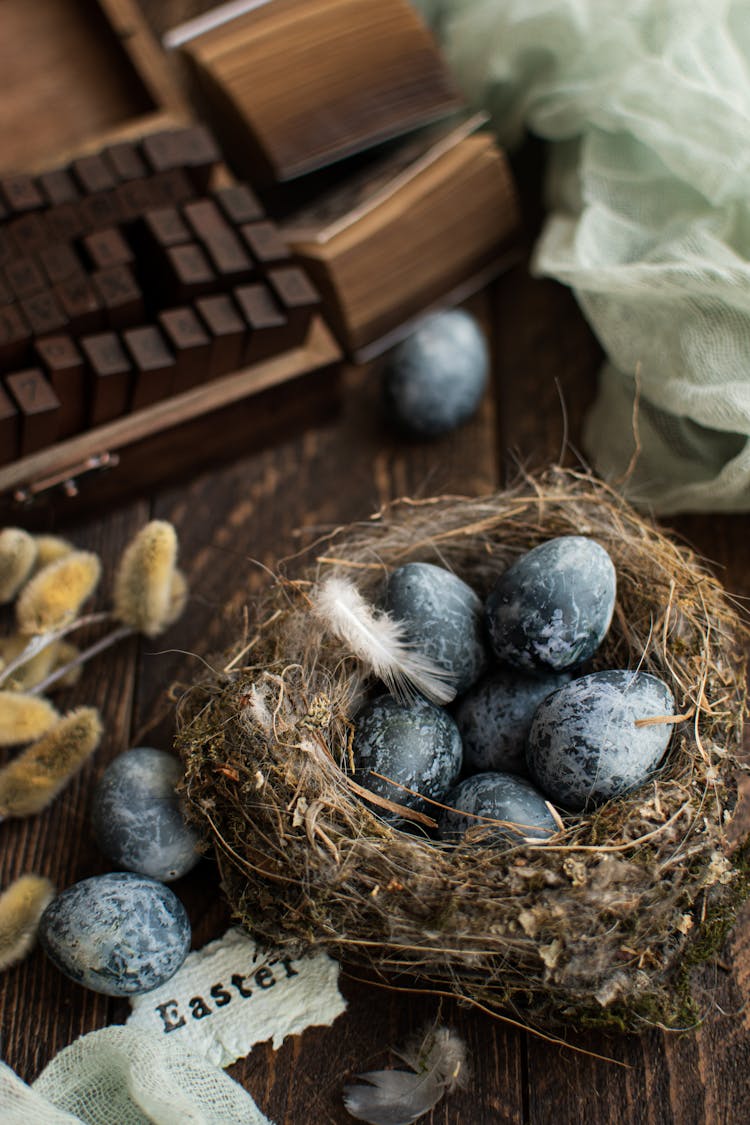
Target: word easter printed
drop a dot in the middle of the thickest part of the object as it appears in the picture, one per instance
(263, 978)
(232, 994)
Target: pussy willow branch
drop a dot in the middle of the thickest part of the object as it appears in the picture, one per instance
(82, 657)
(44, 640)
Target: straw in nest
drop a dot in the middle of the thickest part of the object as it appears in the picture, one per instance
(598, 925)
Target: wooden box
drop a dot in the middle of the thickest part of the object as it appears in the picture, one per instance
(74, 77)
(75, 74)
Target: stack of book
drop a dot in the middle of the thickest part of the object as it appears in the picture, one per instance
(291, 86)
(355, 94)
(430, 224)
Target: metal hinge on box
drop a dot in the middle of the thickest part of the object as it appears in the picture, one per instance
(66, 480)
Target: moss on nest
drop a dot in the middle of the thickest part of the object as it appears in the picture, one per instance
(596, 926)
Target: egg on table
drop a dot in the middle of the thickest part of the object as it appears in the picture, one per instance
(138, 819)
(120, 934)
(443, 619)
(584, 746)
(435, 379)
(552, 608)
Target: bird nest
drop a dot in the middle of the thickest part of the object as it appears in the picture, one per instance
(599, 924)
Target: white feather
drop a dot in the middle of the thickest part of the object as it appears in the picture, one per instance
(260, 711)
(398, 1097)
(380, 643)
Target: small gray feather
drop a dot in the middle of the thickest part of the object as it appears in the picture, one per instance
(398, 1097)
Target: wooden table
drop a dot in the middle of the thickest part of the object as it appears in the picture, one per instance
(241, 518)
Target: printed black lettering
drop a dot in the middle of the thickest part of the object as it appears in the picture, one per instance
(237, 982)
(199, 1008)
(290, 972)
(264, 978)
(169, 1013)
(220, 995)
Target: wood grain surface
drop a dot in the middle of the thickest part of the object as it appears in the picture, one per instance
(234, 524)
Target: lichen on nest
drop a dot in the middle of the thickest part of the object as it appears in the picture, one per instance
(597, 925)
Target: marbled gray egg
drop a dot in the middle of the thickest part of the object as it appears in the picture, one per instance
(495, 716)
(137, 815)
(416, 745)
(584, 746)
(552, 608)
(435, 379)
(499, 796)
(120, 934)
(443, 619)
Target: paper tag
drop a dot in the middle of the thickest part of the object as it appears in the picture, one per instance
(230, 995)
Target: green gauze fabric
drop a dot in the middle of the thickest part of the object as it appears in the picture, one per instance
(120, 1076)
(648, 103)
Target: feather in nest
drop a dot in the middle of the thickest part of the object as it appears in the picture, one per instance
(398, 1097)
(379, 642)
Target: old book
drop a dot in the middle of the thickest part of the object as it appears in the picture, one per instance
(291, 86)
(432, 222)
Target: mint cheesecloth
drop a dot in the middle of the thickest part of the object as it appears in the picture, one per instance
(647, 103)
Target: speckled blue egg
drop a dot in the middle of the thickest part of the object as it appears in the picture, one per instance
(138, 819)
(584, 746)
(495, 716)
(552, 608)
(498, 796)
(443, 619)
(416, 745)
(120, 934)
(435, 379)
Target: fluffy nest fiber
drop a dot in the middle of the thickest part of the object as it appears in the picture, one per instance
(601, 924)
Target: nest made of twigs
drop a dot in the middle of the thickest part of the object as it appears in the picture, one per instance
(598, 924)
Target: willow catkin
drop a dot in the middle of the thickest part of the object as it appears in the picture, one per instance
(33, 670)
(18, 553)
(36, 670)
(50, 548)
(144, 579)
(54, 596)
(21, 906)
(65, 653)
(178, 595)
(37, 775)
(24, 717)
